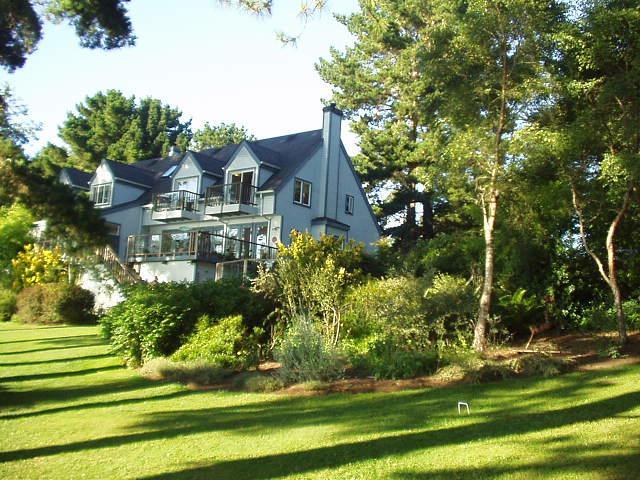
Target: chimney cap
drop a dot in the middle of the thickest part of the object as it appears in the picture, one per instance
(332, 108)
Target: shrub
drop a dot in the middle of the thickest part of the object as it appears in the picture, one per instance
(76, 305)
(388, 332)
(540, 365)
(305, 354)
(156, 319)
(36, 265)
(7, 305)
(224, 343)
(54, 303)
(311, 277)
(384, 357)
(387, 304)
(198, 373)
(257, 382)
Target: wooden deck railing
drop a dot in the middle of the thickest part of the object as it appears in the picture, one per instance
(121, 272)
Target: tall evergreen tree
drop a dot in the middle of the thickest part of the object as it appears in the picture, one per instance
(110, 125)
(98, 24)
(379, 85)
(466, 72)
(214, 136)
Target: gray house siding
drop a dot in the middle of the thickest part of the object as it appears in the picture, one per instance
(296, 216)
(129, 221)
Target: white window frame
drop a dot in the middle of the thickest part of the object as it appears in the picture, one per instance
(98, 191)
(299, 200)
(180, 179)
(349, 204)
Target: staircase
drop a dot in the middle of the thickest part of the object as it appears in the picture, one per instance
(121, 272)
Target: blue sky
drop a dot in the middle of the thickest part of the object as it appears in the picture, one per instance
(215, 63)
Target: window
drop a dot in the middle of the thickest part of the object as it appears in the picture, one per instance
(113, 229)
(189, 184)
(348, 204)
(170, 171)
(101, 194)
(302, 192)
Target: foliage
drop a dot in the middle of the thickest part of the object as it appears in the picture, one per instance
(450, 301)
(70, 216)
(15, 228)
(198, 372)
(224, 342)
(50, 159)
(76, 305)
(519, 310)
(540, 365)
(311, 277)
(216, 136)
(102, 24)
(156, 319)
(390, 306)
(110, 125)
(383, 356)
(7, 304)
(305, 354)
(35, 265)
(257, 382)
(54, 303)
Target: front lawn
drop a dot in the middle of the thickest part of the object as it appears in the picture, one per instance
(68, 410)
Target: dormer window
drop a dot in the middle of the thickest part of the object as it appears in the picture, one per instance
(188, 184)
(101, 194)
(302, 192)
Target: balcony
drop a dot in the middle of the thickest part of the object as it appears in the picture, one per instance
(176, 205)
(231, 199)
(200, 246)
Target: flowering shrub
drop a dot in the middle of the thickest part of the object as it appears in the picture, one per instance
(35, 265)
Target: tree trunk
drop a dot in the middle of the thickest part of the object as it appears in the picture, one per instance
(610, 276)
(613, 268)
(427, 217)
(489, 217)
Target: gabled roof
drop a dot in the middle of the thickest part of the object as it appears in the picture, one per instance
(131, 173)
(210, 164)
(284, 154)
(77, 178)
(288, 153)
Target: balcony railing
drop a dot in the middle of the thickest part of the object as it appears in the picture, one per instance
(194, 246)
(231, 194)
(176, 200)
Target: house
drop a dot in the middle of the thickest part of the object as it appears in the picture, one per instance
(201, 215)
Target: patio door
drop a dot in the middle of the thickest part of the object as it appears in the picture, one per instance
(242, 182)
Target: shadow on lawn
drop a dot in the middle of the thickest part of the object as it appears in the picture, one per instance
(28, 398)
(93, 341)
(351, 411)
(74, 373)
(105, 404)
(57, 360)
(618, 466)
(46, 340)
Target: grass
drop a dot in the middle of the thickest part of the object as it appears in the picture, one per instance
(67, 410)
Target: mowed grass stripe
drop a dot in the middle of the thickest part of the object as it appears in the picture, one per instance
(70, 411)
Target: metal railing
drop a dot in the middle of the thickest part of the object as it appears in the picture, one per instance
(176, 200)
(231, 194)
(199, 245)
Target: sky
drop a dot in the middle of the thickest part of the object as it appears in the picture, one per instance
(213, 62)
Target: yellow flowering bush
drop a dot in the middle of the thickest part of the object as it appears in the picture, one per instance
(35, 265)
